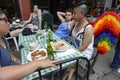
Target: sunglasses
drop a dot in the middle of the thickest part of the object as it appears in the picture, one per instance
(4, 19)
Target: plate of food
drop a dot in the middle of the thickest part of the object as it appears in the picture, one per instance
(59, 46)
(37, 55)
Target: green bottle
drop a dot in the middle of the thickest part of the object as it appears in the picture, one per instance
(49, 48)
(50, 34)
(46, 27)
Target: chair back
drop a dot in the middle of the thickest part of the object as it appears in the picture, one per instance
(94, 57)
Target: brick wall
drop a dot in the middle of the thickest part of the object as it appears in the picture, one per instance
(25, 9)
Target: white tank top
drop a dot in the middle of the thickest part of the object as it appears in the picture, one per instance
(77, 41)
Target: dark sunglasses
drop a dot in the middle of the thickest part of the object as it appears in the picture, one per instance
(4, 19)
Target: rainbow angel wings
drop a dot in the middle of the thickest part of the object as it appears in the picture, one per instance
(107, 29)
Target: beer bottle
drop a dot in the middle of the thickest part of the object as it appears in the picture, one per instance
(49, 48)
(50, 34)
(46, 27)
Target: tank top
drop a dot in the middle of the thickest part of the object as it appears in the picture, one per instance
(63, 31)
(77, 40)
(35, 20)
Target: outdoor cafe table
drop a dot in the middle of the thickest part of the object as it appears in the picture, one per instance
(26, 40)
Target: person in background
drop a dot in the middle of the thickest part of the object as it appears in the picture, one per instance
(34, 19)
(83, 32)
(9, 71)
(94, 12)
(107, 9)
(116, 59)
(63, 31)
(101, 9)
(118, 6)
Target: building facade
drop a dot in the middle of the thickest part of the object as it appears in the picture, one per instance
(23, 8)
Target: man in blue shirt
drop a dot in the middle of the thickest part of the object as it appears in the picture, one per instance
(15, 72)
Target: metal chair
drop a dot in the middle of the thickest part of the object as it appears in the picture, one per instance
(76, 59)
(93, 58)
(92, 63)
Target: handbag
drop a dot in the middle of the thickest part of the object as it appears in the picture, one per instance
(27, 31)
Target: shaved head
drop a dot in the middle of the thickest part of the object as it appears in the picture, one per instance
(82, 7)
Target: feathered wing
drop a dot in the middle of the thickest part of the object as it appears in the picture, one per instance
(107, 29)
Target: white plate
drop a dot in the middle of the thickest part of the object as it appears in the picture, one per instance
(29, 57)
(60, 50)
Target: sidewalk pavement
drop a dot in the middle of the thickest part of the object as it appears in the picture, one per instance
(102, 66)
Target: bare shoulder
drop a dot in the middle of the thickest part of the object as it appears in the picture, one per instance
(89, 28)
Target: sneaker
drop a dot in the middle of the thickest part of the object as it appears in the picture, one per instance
(118, 70)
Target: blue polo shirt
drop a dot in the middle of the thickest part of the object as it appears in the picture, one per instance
(5, 59)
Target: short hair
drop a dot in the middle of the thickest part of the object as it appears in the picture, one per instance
(69, 10)
(82, 6)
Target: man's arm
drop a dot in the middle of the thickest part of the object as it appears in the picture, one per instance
(87, 38)
(20, 71)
